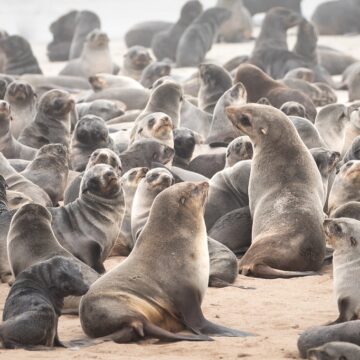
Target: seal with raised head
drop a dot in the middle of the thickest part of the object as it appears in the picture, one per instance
(335, 350)
(154, 303)
(95, 57)
(35, 302)
(346, 186)
(49, 170)
(22, 99)
(164, 43)
(199, 37)
(158, 126)
(136, 59)
(258, 85)
(92, 237)
(90, 133)
(286, 203)
(52, 121)
(343, 235)
(9, 146)
(214, 81)
(184, 146)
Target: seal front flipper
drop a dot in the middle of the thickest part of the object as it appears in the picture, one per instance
(188, 304)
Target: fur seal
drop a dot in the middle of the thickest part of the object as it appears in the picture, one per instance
(353, 152)
(90, 133)
(88, 236)
(328, 95)
(130, 182)
(19, 56)
(137, 314)
(258, 85)
(335, 350)
(18, 182)
(271, 52)
(346, 185)
(228, 191)
(347, 332)
(62, 30)
(35, 302)
(259, 6)
(17, 199)
(295, 188)
(343, 23)
(301, 74)
(103, 81)
(136, 59)
(154, 182)
(106, 109)
(52, 121)
(312, 91)
(164, 43)
(22, 100)
(9, 146)
(350, 209)
(214, 81)
(158, 126)
(292, 108)
(239, 27)
(221, 130)
(184, 146)
(99, 156)
(199, 37)
(351, 81)
(86, 21)
(95, 57)
(143, 33)
(49, 170)
(343, 235)
(154, 71)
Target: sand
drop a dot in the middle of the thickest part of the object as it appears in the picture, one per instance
(277, 311)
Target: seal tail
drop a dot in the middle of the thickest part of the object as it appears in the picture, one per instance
(267, 272)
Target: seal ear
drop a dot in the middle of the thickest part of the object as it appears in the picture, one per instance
(182, 200)
(263, 131)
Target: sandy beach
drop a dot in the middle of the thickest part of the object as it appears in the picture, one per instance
(277, 311)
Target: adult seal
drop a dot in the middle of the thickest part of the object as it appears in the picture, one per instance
(296, 215)
(153, 303)
(52, 121)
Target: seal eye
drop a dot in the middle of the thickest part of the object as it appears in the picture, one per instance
(151, 122)
(353, 241)
(245, 120)
(153, 177)
(337, 229)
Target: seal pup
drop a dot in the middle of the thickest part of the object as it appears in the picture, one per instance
(22, 99)
(130, 181)
(138, 315)
(52, 121)
(214, 81)
(347, 332)
(199, 37)
(103, 81)
(62, 30)
(99, 156)
(90, 133)
(154, 71)
(17, 199)
(20, 183)
(221, 130)
(298, 188)
(35, 302)
(184, 146)
(258, 85)
(239, 27)
(95, 57)
(164, 43)
(9, 146)
(335, 350)
(346, 186)
(19, 56)
(136, 59)
(353, 152)
(350, 209)
(106, 109)
(292, 108)
(88, 236)
(86, 21)
(158, 126)
(343, 235)
(49, 170)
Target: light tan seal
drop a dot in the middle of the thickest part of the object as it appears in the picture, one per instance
(286, 197)
(139, 298)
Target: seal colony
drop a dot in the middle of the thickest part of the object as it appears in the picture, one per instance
(193, 176)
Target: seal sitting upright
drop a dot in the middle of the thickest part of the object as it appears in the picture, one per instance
(150, 295)
(285, 193)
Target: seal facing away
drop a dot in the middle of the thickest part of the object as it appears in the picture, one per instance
(138, 299)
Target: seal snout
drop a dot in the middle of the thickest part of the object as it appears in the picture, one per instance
(4, 107)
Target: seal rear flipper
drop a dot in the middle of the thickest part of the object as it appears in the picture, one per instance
(212, 329)
(267, 272)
